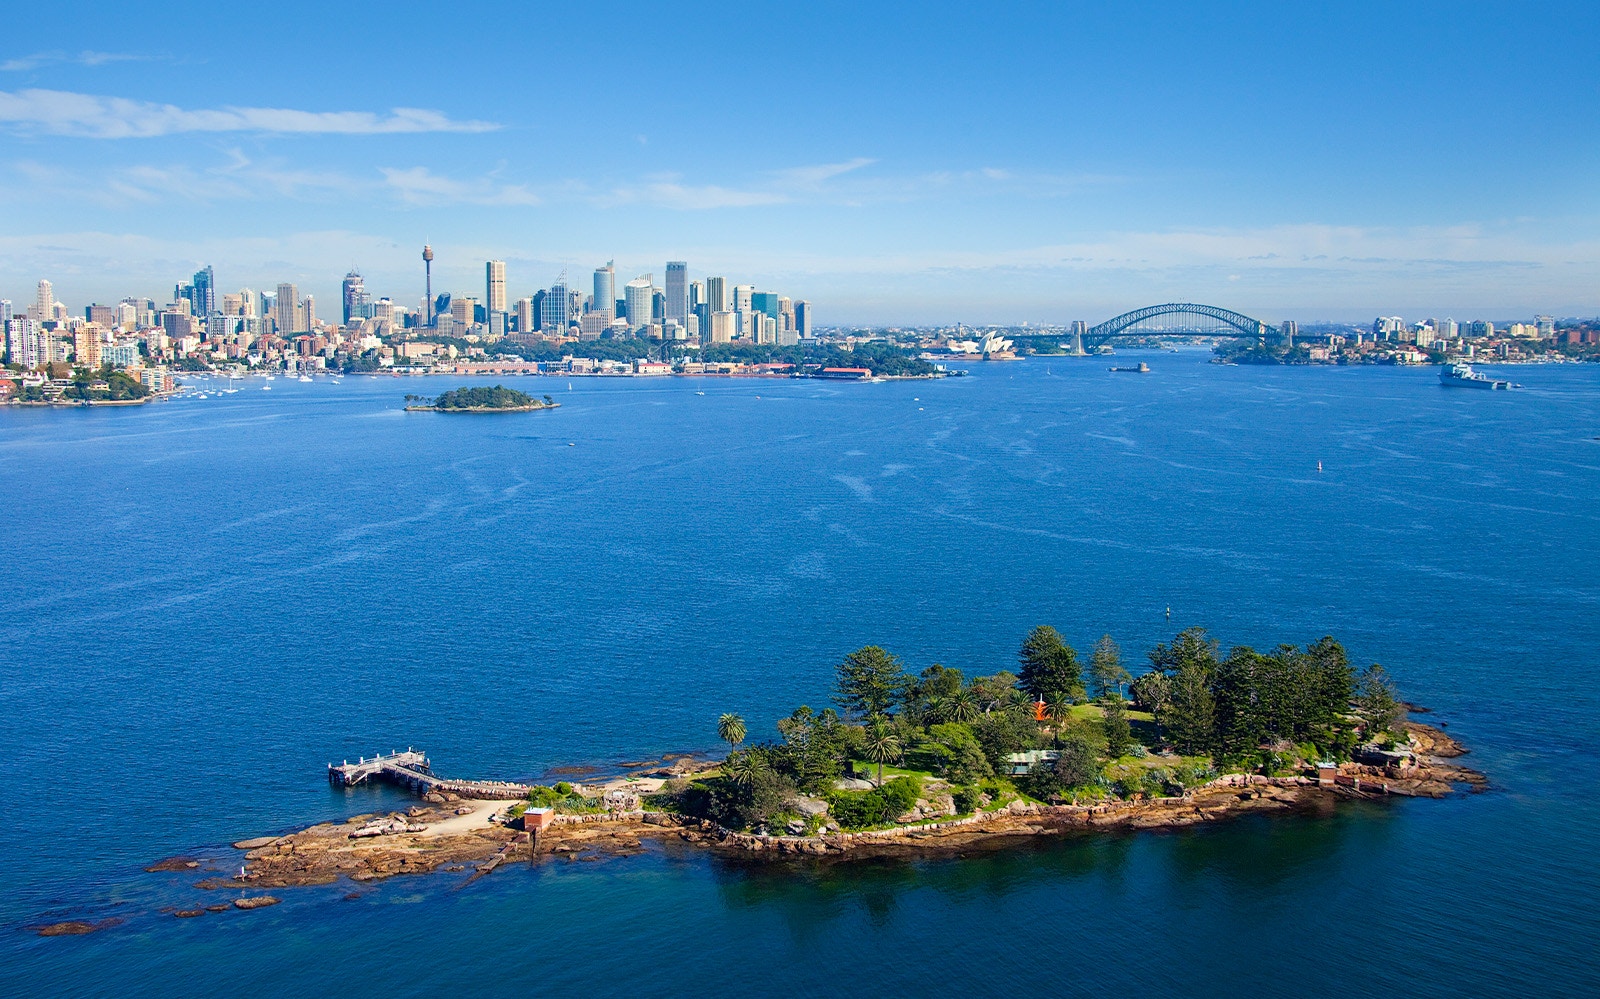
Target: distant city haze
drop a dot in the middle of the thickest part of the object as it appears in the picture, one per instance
(1041, 165)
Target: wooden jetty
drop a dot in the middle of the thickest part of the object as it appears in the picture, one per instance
(413, 771)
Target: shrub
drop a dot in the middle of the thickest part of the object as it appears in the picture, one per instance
(966, 799)
(860, 809)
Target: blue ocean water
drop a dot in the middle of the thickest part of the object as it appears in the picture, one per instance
(205, 601)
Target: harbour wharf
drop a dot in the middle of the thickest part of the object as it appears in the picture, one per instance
(413, 771)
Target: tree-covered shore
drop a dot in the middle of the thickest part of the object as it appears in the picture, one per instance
(1056, 729)
(480, 399)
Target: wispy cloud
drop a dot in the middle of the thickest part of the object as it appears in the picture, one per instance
(421, 186)
(776, 187)
(60, 112)
(87, 57)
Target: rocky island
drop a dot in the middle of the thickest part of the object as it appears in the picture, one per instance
(480, 399)
(931, 763)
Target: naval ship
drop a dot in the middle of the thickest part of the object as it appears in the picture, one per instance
(1462, 374)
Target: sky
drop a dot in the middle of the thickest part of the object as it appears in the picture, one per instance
(891, 164)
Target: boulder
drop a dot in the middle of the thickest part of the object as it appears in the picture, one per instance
(255, 902)
(255, 844)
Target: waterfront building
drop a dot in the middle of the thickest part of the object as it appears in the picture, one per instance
(494, 299)
(676, 298)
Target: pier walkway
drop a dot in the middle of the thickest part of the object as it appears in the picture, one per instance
(413, 771)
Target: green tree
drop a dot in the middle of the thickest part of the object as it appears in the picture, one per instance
(748, 767)
(1076, 764)
(1115, 722)
(870, 681)
(1190, 716)
(1377, 703)
(882, 745)
(1151, 691)
(1059, 708)
(1049, 666)
(730, 729)
(964, 707)
(1106, 672)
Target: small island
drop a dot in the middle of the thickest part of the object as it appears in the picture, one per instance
(928, 762)
(479, 399)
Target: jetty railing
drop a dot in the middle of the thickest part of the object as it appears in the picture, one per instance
(413, 771)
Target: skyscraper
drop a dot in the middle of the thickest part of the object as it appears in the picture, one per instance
(525, 323)
(676, 306)
(203, 292)
(802, 318)
(717, 295)
(639, 294)
(605, 287)
(284, 308)
(494, 299)
(44, 304)
(553, 310)
(355, 297)
(741, 297)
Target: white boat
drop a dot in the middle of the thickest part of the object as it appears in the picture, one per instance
(266, 388)
(305, 378)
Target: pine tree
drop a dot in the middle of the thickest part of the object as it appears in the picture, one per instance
(1049, 666)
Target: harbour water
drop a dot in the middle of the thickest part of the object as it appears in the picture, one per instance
(204, 602)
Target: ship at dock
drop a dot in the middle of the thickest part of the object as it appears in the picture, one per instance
(1463, 375)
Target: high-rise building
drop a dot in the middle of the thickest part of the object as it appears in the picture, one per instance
(802, 319)
(1545, 325)
(717, 295)
(354, 294)
(44, 303)
(639, 295)
(203, 292)
(741, 296)
(697, 295)
(676, 304)
(765, 302)
(525, 323)
(605, 287)
(494, 298)
(553, 311)
(722, 327)
(284, 308)
(463, 310)
(1446, 329)
(308, 315)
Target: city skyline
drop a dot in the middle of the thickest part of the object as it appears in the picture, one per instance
(1315, 165)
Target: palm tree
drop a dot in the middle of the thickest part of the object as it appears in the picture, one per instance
(937, 710)
(730, 729)
(882, 745)
(964, 707)
(1058, 709)
(746, 767)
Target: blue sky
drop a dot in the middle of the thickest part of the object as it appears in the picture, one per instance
(916, 163)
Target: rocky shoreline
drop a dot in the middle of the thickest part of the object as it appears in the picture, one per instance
(435, 836)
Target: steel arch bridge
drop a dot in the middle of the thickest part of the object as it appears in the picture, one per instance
(1242, 325)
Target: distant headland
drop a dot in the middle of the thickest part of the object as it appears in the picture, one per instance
(907, 763)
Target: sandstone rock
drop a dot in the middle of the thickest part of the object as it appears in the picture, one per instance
(255, 902)
(255, 844)
(73, 928)
(173, 864)
(189, 913)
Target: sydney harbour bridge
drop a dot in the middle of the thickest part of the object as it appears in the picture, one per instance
(1174, 319)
